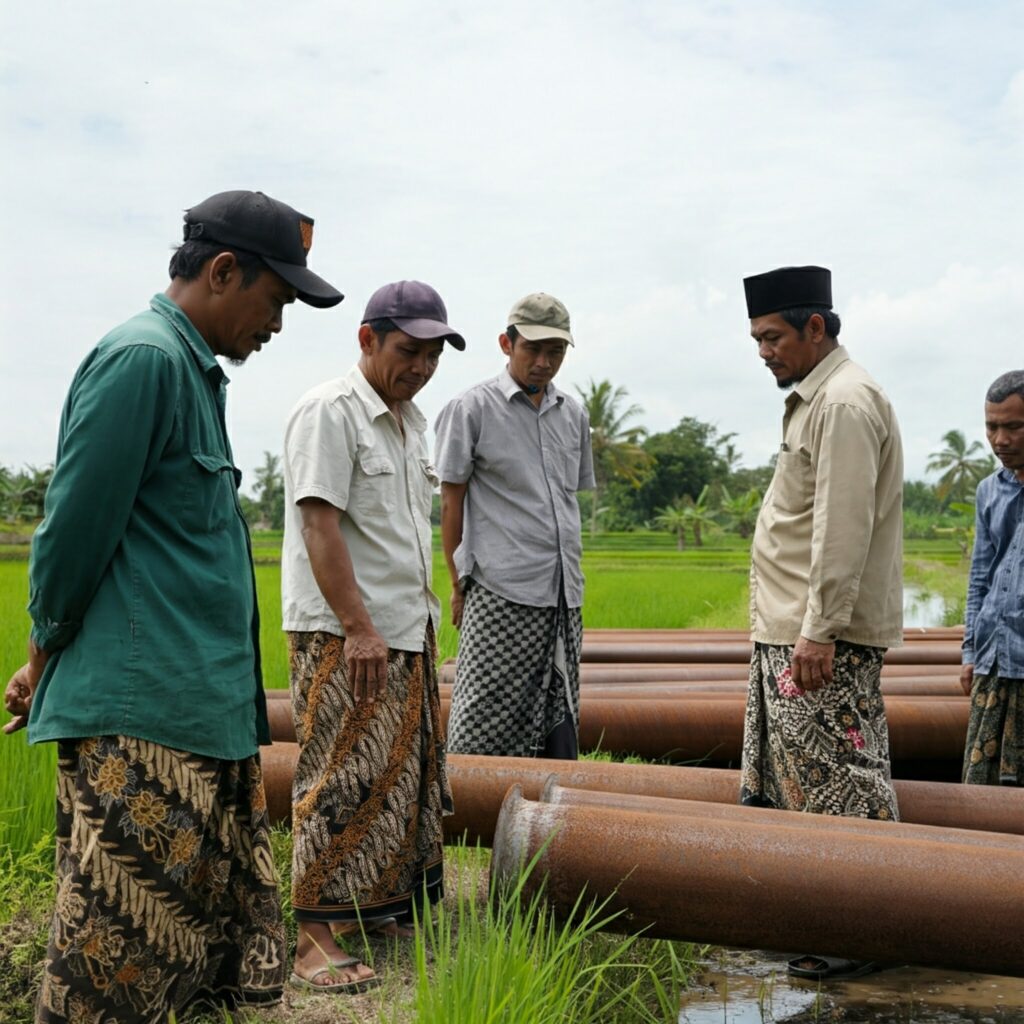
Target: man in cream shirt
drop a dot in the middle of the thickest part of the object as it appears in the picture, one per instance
(370, 785)
(826, 569)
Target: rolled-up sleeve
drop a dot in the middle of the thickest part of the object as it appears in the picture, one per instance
(846, 460)
(455, 444)
(320, 453)
(118, 416)
(587, 481)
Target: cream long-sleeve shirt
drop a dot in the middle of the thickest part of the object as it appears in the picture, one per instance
(827, 558)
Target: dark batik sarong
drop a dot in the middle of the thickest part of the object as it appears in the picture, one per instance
(994, 753)
(824, 751)
(370, 786)
(166, 890)
(517, 684)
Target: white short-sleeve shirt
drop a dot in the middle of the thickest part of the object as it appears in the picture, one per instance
(344, 446)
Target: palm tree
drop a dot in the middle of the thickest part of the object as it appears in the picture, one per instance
(961, 465)
(741, 511)
(687, 513)
(616, 446)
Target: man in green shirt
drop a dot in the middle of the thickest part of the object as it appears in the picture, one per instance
(144, 657)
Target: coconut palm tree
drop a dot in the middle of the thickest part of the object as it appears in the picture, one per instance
(961, 465)
(741, 512)
(687, 513)
(616, 446)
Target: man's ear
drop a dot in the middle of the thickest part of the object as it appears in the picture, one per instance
(366, 339)
(506, 344)
(814, 329)
(221, 272)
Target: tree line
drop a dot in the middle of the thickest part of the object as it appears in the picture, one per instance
(687, 480)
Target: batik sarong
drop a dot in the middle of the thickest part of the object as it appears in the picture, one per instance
(517, 683)
(823, 751)
(370, 786)
(166, 891)
(994, 753)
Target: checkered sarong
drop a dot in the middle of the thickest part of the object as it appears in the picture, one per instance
(518, 675)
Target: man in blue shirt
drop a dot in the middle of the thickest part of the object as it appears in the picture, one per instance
(993, 649)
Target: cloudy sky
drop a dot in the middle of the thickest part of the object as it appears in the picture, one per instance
(634, 158)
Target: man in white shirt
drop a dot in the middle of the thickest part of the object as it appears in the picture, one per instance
(512, 452)
(370, 785)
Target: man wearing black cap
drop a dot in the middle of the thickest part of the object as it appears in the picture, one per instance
(370, 786)
(826, 571)
(144, 658)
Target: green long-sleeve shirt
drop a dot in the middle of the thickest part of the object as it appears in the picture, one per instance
(141, 573)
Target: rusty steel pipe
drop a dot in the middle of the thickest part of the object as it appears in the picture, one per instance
(709, 728)
(729, 689)
(759, 885)
(480, 783)
(910, 634)
(932, 652)
(554, 793)
(633, 672)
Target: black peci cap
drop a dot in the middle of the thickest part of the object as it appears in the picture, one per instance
(270, 229)
(788, 288)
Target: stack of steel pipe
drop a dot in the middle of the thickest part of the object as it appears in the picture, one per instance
(756, 878)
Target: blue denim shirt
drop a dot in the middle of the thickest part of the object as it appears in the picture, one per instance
(994, 637)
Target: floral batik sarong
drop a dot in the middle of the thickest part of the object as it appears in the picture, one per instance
(517, 684)
(370, 786)
(823, 751)
(166, 891)
(994, 753)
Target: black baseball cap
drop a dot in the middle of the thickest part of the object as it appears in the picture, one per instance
(788, 288)
(413, 307)
(267, 228)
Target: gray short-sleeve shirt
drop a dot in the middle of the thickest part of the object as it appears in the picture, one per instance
(523, 466)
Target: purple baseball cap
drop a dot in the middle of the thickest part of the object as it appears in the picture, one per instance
(415, 308)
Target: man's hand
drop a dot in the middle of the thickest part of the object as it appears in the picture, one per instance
(967, 678)
(457, 602)
(366, 658)
(21, 687)
(812, 664)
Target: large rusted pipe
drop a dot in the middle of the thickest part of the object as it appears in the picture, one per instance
(910, 634)
(736, 689)
(634, 672)
(553, 793)
(758, 885)
(480, 783)
(710, 729)
(922, 653)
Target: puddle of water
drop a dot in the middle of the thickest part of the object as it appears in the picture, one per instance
(753, 988)
(922, 608)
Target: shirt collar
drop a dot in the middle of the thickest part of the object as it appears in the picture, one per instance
(510, 388)
(808, 387)
(1008, 476)
(375, 405)
(201, 352)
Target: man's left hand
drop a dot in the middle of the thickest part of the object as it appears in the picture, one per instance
(812, 664)
(18, 697)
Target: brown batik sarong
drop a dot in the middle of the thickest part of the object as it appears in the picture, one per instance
(994, 753)
(166, 890)
(370, 786)
(824, 751)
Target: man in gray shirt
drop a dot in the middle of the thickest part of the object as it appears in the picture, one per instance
(511, 453)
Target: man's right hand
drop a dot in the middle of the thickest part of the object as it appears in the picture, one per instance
(457, 602)
(18, 697)
(366, 659)
(967, 678)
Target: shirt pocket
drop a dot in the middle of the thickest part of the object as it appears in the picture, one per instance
(373, 484)
(210, 503)
(793, 483)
